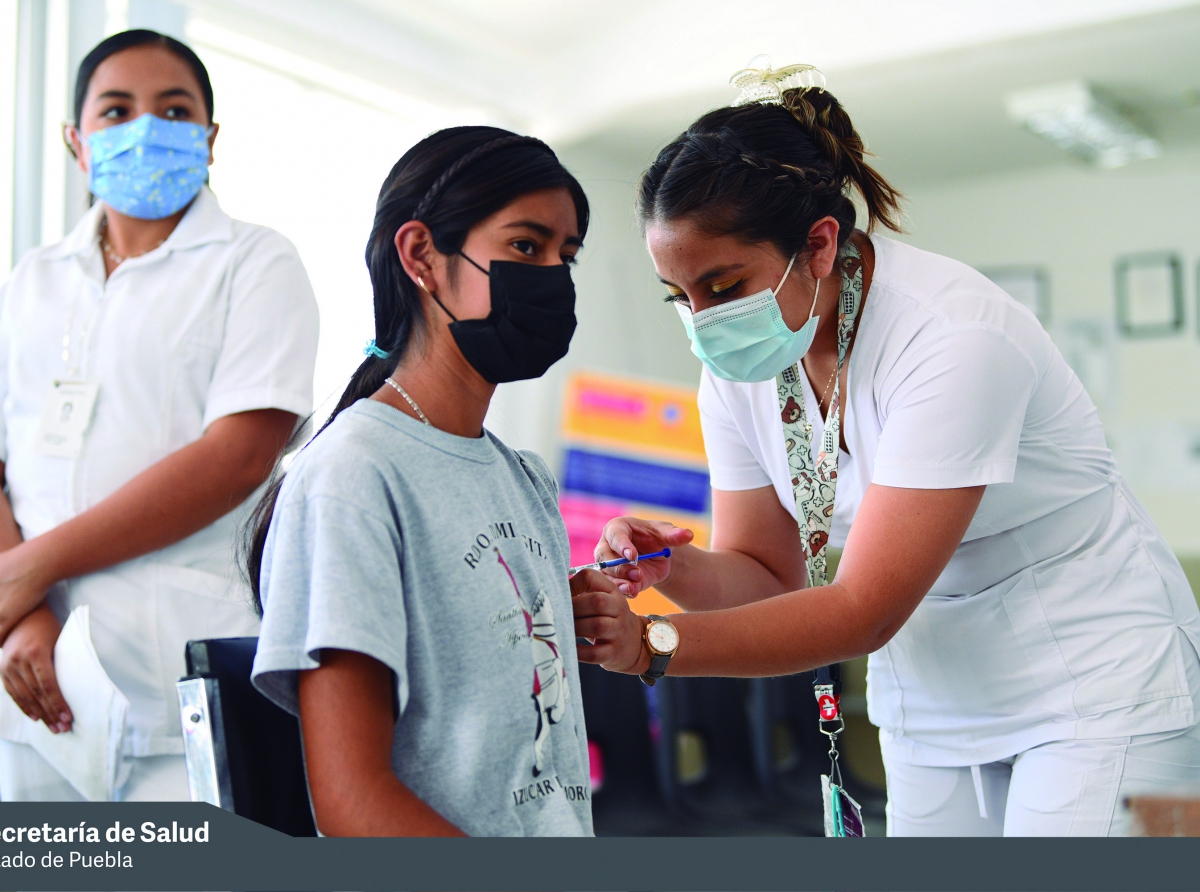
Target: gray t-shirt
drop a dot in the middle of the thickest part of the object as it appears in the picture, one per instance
(445, 558)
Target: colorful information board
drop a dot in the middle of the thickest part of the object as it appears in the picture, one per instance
(631, 448)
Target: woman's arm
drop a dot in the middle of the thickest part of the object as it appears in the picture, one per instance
(756, 553)
(169, 501)
(899, 544)
(27, 663)
(10, 533)
(348, 720)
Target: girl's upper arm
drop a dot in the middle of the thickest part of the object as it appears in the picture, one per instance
(347, 713)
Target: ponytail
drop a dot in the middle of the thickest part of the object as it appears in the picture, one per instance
(437, 182)
(767, 173)
(826, 122)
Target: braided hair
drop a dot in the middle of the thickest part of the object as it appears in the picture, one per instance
(450, 181)
(767, 173)
(434, 192)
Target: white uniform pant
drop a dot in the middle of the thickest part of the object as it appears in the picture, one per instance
(27, 777)
(1064, 788)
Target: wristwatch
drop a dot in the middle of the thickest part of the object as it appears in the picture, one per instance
(662, 640)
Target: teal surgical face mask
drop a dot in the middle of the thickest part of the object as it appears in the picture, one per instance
(747, 340)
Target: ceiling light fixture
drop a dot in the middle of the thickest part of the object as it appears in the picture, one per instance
(1073, 117)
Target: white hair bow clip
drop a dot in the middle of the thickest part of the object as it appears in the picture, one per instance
(760, 83)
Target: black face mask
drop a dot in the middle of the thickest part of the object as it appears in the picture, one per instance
(530, 325)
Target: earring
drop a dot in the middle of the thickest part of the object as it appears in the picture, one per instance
(421, 282)
(65, 133)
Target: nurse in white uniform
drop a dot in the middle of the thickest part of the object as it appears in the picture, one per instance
(1032, 638)
(152, 366)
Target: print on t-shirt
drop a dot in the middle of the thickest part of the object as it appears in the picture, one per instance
(549, 676)
(548, 689)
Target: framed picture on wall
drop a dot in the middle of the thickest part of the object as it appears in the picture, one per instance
(1198, 299)
(1149, 295)
(1028, 285)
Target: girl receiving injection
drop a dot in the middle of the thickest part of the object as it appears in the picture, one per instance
(412, 569)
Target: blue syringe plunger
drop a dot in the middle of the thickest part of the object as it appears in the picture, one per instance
(617, 562)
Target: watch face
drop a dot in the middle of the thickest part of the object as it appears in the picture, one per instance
(662, 637)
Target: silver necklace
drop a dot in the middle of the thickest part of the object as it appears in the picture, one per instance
(408, 399)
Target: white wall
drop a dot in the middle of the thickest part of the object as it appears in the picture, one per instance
(1075, 222)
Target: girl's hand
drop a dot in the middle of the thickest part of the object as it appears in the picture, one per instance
(27, 669)
(591, 581)
(627, 537)
(602, 615)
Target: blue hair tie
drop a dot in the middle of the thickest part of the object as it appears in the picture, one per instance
(372, 349)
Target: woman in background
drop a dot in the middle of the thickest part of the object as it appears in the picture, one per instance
(413, 568)
(152, 366)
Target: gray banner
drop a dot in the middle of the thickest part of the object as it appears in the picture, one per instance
(134, 846)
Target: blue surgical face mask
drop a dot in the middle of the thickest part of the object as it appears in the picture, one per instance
(150, 167)
(747, 340)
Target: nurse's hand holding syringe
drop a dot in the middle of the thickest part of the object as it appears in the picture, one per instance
(591, 577)
(640, 553)
(604, 565)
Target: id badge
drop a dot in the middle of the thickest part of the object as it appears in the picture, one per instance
(65, 418)
(843, 816)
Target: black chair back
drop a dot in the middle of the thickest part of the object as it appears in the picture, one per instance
(255, 745)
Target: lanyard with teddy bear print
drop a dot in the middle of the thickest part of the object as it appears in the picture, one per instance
(814, 484)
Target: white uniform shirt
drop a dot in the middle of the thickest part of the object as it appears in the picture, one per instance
(1063, 614)
(219, 319)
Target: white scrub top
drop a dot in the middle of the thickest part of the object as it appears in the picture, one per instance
(1063, 614)
(219, 319)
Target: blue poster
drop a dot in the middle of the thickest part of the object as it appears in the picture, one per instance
(636, 481)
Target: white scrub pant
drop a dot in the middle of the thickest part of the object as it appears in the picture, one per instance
(1065, 788)
(27, 777)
